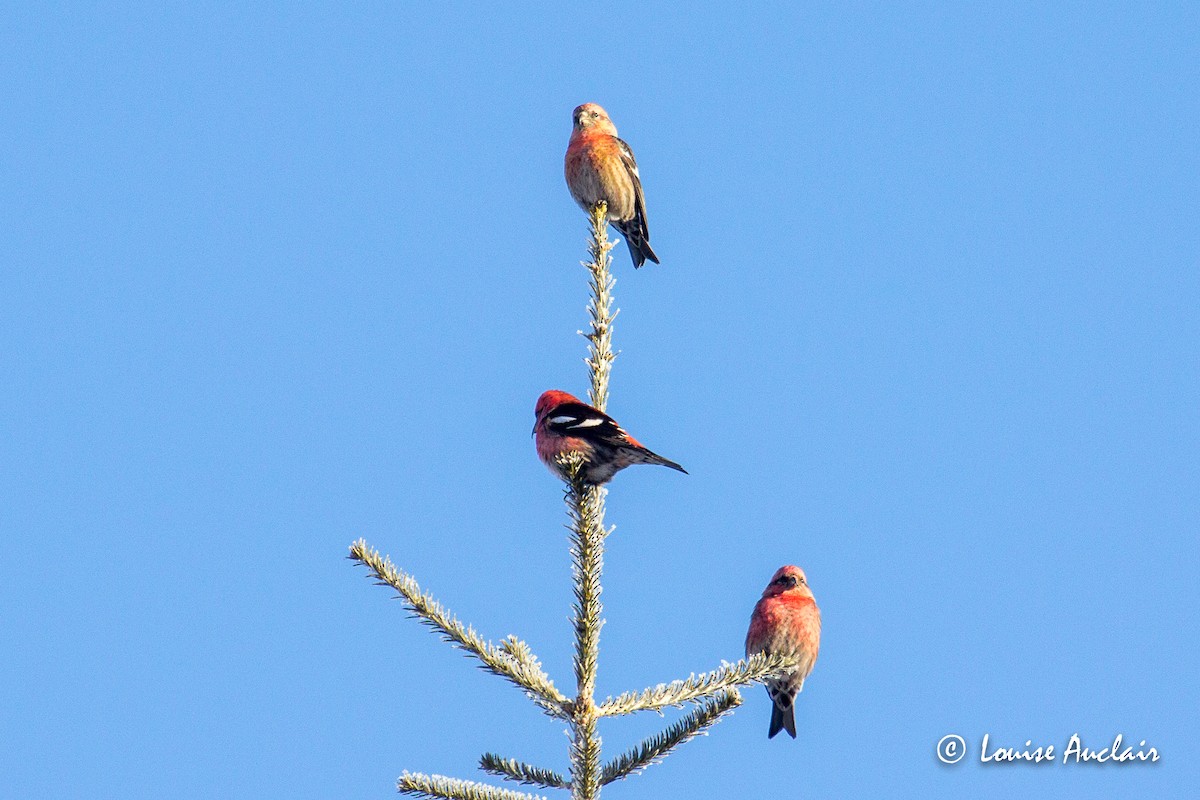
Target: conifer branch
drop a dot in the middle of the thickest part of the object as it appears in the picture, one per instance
(585, 504)
(520, 772)
(512, 660)
(657, 747)
(523, 654)
(755, 669)
(439, 786)
(600, 308)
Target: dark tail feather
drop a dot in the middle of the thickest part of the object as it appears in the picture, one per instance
(782, 719)
(639, 245)
(666, 462)
(646, 252)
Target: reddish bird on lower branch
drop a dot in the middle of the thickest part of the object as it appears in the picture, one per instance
(600, 167)
(786, 621)
(565, 425)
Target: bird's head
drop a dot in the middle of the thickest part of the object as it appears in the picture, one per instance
(788, 581)
(590, 115)
(550, 400)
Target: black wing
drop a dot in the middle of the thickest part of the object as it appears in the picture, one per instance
(576, 419)
(639, 214)
(636, 230)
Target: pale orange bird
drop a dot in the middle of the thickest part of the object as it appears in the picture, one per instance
(786, 621)
(601, 167)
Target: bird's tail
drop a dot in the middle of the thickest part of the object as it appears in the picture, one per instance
(782, 719)
(655, 458)
(638, 244)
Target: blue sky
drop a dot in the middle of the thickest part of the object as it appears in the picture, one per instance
(926, 324)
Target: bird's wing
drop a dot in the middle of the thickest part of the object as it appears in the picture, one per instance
(639, 198)
(576, 419)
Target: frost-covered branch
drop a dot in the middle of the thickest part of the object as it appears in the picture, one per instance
(657, 747)
(585, 504)
(512, 660)
(600, 307)
(419, 785)
(708, 684)
(521, 772)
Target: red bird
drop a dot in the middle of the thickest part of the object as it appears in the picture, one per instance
(599, 166)
(786, 621)
(565, 425)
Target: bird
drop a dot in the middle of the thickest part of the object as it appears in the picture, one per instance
(786, 621)
(565, 424)
(600, 167)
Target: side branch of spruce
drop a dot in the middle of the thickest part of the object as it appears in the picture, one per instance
(513, 660)
(755, 669)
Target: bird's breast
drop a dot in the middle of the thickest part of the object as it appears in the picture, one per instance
(595, 171)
